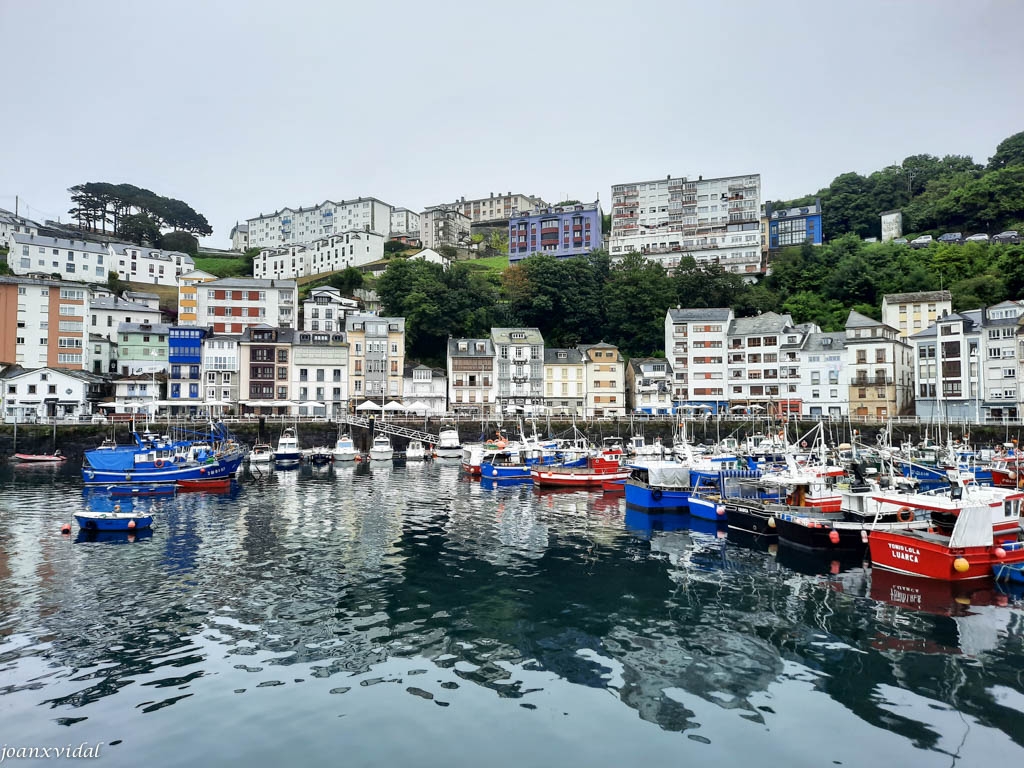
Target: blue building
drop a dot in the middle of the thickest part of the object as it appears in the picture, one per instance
(561, 231)
(185, 357)
(794, 226)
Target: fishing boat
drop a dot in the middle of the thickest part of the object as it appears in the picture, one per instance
(662, 486)
(41, 458)
(319, 457)
(381, 449)
(216, 485)
(158, 459)
(415, 451)
(596, 471)
(1013, 572)
(156, 489)
(113, 521)
(287, 454)
(448, 444)
(345, 449)
(986, 533)
(261, 453)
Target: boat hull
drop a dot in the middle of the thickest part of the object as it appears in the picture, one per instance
(102, 523)
(39, 458)
(575, 477)
(448, 452)
(170, 473)
(707, 509)
(217, 485)
(377, 455)
(930, 556)
(657, 499)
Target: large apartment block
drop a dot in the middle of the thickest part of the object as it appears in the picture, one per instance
(404, 222)
(562, 232)
(329, 254)
(695, 345)
(376, 350)
(709, 219)
(290, 226)
(42, 323)
(232, 304)
(497, 207)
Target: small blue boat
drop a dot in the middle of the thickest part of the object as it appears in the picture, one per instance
(708, 507)
(662, 486)
(113, 521)
(1013, 572)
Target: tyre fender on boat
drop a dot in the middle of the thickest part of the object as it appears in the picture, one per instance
(656, 494)
(91, 474)
(158, 463)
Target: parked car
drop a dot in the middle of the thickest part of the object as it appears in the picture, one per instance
(956, 238)
(921, 242)
(981, 237)
(1010, 236)
(900, 241)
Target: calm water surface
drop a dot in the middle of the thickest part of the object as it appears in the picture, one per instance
(408, 616)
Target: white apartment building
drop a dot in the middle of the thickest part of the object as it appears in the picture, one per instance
(818, 363)
(232, 304)
(604, 380)
(565, 385)
(106, 313)
(78, 260)
(425, 390)
(695, 345)
(151, 300)
(319, 373)
(472, 380)
(149, 265)
(404, 222)
(220, 367)
(649, 386)
(45, 393)
(910, 313)
(999, 355)
(329, 254)
(497, 207)
(708, 219)
(325, 310)
(444, 225)
(755, 345)
(291, 226)
(947, 379)
(12, 224)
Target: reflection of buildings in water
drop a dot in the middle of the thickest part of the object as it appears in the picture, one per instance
(502, 531)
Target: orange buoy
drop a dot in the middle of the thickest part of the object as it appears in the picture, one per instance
(1000, 553)
(960, 565)
(66, 528)
(833, 536)
(131, 525)
(834, 567)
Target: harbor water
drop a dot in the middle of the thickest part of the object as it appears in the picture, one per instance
(379, 615)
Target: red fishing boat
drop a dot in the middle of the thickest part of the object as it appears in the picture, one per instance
(986, 532)
(214, 485)
(1007, 471)
(597, 471)
(41, 458)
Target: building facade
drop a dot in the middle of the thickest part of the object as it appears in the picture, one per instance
(881, 368)
(102, 355)
(911, 313)
(138, 264)
(107, 313)
(376, 357)
(649, 386)
(755, 346)
(264, 359)
(325, 310)
(232, 304)
(604, 380)
(354, 248)
(695, 345)
(947, 377)
(794, 226)
(497, 207)
(427, 387)
(711, 220)
(12, 224)
(42, 323)
(221, 371)
(240, 237)
(565, 384)
(444, 225)
(472, 384)
(561, 232)
(291, 226)
(185, 361)
(34, 395)
(823, 384)
(188, 295)
(998, 354)
(142, 348)
(519, 369)
(404, 223)
(320, 373)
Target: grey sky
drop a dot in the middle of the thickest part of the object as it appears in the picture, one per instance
(242, 107)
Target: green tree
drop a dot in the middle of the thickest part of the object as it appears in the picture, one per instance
(139, 227)
(637, 296)
(347, 280)
(977, 292)
(116, 285)
(394, 246)
(1009, 152)
(180, 241)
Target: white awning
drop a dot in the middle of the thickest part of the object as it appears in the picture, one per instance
(369, 405)
(394, 405)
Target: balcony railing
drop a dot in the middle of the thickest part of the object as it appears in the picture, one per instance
(871, 382)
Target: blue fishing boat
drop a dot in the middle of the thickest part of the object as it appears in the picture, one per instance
(113, 521)
(1012, 572)
(515, 463)
(158, 459)
(662, 486)
(707, 505)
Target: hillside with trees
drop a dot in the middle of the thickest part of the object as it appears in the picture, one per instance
(936, 195)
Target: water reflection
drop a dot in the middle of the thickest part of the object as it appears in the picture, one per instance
(362, 575)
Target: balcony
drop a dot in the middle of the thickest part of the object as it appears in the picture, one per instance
(520, 379)
(871, 381)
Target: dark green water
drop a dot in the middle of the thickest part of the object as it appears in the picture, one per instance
(407, 616)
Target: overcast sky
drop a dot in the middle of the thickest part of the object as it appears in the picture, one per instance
(242, 107)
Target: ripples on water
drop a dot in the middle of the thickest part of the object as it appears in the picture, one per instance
(406, 615)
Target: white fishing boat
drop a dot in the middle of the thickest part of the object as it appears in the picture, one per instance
(448, 444)
(381, 449)
(345, 449)
(415, 451)
(261, 453)
(287, 453)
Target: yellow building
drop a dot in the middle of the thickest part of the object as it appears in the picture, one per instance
(187, 295)
(910, 313)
